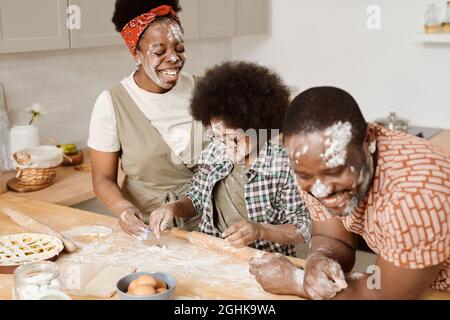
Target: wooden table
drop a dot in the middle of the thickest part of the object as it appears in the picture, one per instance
(63, 218)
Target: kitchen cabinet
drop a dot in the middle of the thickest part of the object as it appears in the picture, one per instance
(97, 28)
(217, 18)
(33, 25)
(252, 17)
(43, 25)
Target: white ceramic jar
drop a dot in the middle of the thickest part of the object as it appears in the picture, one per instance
(23, 137)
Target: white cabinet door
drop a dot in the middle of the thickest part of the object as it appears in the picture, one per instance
(33, 25)
(217, 18)
(190, 18)
(252, 17)
(97, 28)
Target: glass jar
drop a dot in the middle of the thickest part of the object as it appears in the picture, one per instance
(432, 24)
(37, 281)
(446, 22)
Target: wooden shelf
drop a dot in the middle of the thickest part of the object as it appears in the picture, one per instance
(433, 37)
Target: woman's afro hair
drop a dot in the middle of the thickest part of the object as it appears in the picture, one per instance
(127, 10)
(243, 95)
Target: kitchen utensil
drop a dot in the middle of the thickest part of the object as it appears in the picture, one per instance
(432, 24)
(122, 286)
(393, 122)
(446, 22)
(34, 226)
(221, 246)
(73, 159)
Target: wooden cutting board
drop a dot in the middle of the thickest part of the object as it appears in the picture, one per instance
(15, 185)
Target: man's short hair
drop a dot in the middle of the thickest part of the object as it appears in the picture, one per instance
(319, 108)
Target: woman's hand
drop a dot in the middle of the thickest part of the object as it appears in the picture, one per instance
(161, 218)
(131, 222)
(242, 233)
(324, 277)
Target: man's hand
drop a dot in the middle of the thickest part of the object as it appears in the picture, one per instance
(131, 222)
(277, 275)
(242, 233)
(161, 218)
(324, 277)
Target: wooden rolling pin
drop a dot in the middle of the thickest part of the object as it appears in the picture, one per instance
(34, 226)
(223, 247)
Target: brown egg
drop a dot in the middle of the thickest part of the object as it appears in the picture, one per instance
(142, 291)
(161, 290)
(148, 280)
(132, 285)
(160, 284)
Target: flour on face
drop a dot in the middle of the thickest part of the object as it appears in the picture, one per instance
(319, 190)
(338, 136)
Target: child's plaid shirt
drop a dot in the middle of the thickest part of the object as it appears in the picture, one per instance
(271, 192)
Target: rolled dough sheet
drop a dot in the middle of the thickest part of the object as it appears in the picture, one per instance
(88, 231)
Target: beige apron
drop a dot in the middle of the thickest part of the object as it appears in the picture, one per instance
(229, 202)
(154, 174)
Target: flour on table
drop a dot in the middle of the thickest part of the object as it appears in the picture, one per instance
(174, 256)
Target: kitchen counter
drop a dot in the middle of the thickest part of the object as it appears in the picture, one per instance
(71, 186)
(442, 139)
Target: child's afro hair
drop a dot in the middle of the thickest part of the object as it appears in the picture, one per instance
(243, 95)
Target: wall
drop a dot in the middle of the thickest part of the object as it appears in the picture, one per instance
(68, 82)
(326, 42)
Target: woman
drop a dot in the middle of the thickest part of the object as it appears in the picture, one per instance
(244, 189)
(145, 121)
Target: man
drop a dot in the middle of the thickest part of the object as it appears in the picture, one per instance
(391, 188)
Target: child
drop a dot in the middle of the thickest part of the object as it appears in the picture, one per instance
(244, 189)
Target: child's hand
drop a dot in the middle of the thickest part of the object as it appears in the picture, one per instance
(161, 218)
(242, 233)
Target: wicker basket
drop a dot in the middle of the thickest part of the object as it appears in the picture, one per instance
(36, 177)
(33, 176)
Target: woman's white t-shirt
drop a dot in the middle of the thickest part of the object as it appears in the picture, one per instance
(168, 113)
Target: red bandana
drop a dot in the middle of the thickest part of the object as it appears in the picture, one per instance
(134, 29)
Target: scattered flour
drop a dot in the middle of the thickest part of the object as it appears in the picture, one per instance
(174, 256)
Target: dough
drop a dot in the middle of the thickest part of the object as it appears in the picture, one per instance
(88, 231)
